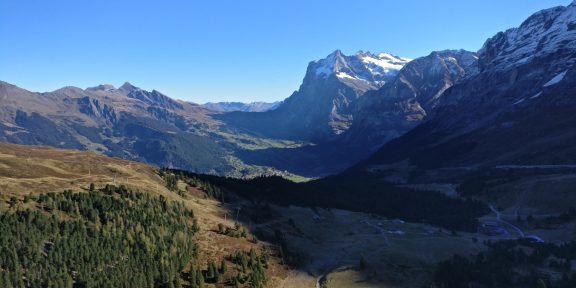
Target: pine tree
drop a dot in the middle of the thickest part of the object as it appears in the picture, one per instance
(223, 267)
(13, 201)
(4, 279)
(199, 279)
(192, 277)
(195, 226)
(211, 274)
(363, 264)
(541, 284)
(177, 282)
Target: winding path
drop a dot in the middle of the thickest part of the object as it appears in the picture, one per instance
(380, 229)
(499, 219)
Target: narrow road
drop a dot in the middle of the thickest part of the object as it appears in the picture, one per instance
(319, 280)
(379, 229)
(499, 219)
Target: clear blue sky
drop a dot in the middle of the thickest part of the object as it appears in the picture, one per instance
(251, 50)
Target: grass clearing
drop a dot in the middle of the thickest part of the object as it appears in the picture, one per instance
(397, 253)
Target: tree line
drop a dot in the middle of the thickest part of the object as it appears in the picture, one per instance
(358, 192)
(171, 177)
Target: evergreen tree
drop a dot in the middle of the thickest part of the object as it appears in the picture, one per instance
(363, 263)
(211, 273)
(541, 284)
(195, 226)
(199, 279)
(13, 201)
(223, 267)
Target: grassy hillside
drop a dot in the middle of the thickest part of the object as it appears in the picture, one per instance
(36, 169)
(127, 229)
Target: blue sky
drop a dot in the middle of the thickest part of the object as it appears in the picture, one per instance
(252, 50)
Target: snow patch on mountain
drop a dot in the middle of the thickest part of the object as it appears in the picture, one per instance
(343, 75)
(363, 66)
(536, 95)
(519, 101)
(326, 65)
(556, 79)
(384, 63)
(545, 32)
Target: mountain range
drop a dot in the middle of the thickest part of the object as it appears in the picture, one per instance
(514, 108)
(455, 169)
(345, 110)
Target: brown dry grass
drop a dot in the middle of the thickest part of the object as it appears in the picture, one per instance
(39, 169)
(216, 247)
(33, 170)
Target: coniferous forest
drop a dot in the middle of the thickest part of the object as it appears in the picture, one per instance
(371, 195)
(114, 237)
(109, 238)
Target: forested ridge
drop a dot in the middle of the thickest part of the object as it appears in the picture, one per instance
(109, 238)
(116, 237)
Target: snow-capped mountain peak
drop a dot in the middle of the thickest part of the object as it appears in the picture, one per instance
(363, 66)
(383, 63)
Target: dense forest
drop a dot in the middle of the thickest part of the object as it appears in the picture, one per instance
(359, 193)
(109, 238)
(519, 263)
(117, 237)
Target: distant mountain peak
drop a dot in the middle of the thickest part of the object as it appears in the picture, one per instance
(362, 66)
(127, 87)
(102, 87)
(328, 65)
(69, 90)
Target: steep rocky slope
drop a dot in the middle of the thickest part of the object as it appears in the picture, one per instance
(322, 108)
(406, 100)
(127, 122)
(516, 110)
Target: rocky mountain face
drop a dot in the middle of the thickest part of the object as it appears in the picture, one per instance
(242, 107)
(508, 103)
(515, 110)
(322, 108)
(405, 101)
(345, 109)
(127, 122)
(402, 101)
